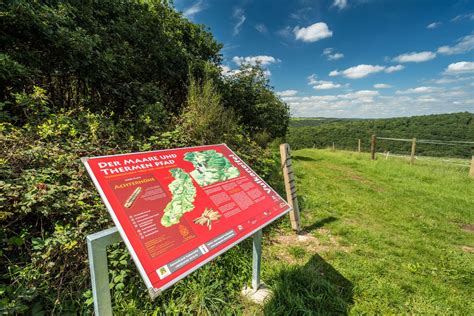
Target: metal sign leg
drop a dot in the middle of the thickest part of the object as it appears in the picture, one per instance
(259, 293)
(97, 249)
(257, 259)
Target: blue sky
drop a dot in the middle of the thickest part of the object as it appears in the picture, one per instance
(351, 58)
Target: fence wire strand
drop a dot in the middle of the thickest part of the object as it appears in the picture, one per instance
(458, 162)
(432, 141)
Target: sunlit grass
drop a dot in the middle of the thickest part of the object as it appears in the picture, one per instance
(398, 241)
(382, 237)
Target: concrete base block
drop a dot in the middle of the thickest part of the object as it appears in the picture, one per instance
(260, 297)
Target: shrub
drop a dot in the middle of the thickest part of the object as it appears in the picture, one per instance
(49, 205)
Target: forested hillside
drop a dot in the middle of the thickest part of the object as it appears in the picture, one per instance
(88, 78)
(315, 121)
(320, 133)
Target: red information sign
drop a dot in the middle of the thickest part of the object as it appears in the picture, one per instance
(178, 209)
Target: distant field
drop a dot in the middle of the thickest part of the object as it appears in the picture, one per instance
(315, 121)
(383, 237)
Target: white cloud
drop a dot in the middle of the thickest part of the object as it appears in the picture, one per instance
(261, 28)
(331, 105)
(391, 69)
(287, 93)
(325, 85)
(461, 67)
(452, 80)
(362, 71)
(253, 60)
(415, 57)
(372, 104)
(322, 84)
(335, 56)
(382, 86)
(312, 79)
(285, 32)
(464, 45)
(416, 90)
(426, 98)
(263, 60)
(358, 72)
(225, 69)
(195, 8)
(267, 73)
(456, 92)
(444, 81)
(302, 13)
(433, 25)
(239, 17)
(331, 54)
(340, 4)
(328, 51)
(312, 33)
(361, 94)
(469, 16)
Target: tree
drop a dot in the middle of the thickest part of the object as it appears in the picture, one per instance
(111, 55)
(259, 110)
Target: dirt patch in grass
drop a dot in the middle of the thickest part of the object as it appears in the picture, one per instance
(468, 228)
(285, 244)
(468, 249)
(348, 173)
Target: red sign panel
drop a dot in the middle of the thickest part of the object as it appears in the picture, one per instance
(177, 209)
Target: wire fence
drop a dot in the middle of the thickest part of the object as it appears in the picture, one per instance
(431, 153)
(430, 156)
(432, 141)
(444, 160)
(451, 161)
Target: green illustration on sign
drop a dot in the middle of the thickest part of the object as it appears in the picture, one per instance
(183, 192)
(210, 167)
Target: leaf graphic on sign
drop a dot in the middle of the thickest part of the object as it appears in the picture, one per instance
(210, 167)
(184, 193)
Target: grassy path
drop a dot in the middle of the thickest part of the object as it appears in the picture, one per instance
(382, 237)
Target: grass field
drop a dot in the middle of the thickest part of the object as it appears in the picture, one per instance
(382, 237)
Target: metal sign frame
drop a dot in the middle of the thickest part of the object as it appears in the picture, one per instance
(97, 251)
(154, 292)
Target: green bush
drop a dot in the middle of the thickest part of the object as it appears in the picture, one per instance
(259, 110)
(99, 78)
(49, 205)
(204, 118)
(113, 55)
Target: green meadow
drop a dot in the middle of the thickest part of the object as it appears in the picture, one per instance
(382, 237)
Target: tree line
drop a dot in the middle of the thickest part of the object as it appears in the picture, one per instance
(344, 133)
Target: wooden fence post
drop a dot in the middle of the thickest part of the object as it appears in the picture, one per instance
(413, 148)
(290, 186)
(372, 147)
(358, 146)
(471, 172)
(333, 146)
